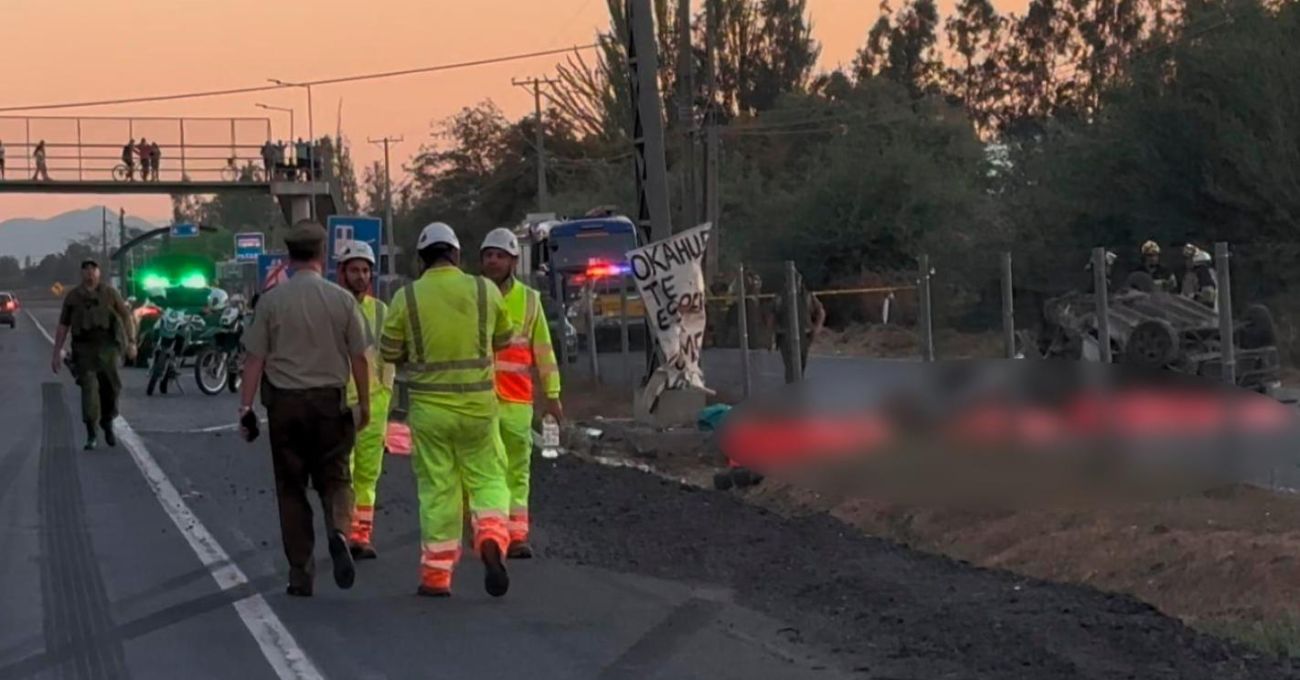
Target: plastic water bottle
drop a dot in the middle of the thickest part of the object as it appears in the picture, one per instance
(550, 437)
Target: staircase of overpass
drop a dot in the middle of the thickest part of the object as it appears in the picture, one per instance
(197, 155)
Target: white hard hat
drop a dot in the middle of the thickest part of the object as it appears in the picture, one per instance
(502, 239)
(1201, 257)
(435, 233)
(358, 249)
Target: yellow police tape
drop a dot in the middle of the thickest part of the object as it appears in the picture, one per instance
(818, 293)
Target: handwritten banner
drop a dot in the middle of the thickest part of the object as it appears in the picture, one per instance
(671, 283)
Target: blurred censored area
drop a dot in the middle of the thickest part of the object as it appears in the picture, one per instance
(1018, 432)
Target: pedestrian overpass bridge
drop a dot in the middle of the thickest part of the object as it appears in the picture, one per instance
(84, 155)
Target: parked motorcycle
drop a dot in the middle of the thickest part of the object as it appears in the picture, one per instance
(221, 363)
(176, 334)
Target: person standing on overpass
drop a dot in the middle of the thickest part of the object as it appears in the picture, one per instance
(305, 341)
(356, 267)
(2, 159)
(100, 324)
(529, 346)
(128, 159)
(42, 172)
(155, 159)
(811, 316)
(441, 331)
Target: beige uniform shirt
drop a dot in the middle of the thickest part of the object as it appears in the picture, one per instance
(307, 329)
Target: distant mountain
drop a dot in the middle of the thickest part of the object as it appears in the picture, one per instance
(23, 236)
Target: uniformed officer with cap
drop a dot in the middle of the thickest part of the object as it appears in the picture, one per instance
(305, 341)
(100, 324)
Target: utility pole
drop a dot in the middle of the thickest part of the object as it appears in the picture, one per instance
(713, 144)
(648, 127)
(536, 85)
(121, 241)
(103, 240)
(686, 116)
(388, 205)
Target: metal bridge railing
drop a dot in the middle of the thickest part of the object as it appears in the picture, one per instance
(91, 149)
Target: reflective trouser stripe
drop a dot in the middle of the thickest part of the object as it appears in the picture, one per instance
(455, 459)
(368, 452)
(515, 441)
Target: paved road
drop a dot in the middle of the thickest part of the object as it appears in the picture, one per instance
(163, 554)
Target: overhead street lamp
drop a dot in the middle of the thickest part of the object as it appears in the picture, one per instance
(287, 110)
(311, 128)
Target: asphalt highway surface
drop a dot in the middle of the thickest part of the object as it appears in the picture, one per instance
(160, 558)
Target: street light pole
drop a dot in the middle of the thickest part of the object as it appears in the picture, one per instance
(311, 132)
(388, 205)
(287, 110)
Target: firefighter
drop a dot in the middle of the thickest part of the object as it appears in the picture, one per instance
(356, 267)
(1200, 283)
(529, 346)
(1164, 279)
(1111, 257)
(442, 330)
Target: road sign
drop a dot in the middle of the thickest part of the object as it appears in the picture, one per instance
(272, 269)
(57, 289)
(249, 245)
(343, 229)
(185, 230)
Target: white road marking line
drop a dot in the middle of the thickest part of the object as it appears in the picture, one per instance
(278, 645)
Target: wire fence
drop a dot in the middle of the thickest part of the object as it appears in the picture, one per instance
(987, 304)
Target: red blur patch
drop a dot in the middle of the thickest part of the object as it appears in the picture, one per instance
(762, 444)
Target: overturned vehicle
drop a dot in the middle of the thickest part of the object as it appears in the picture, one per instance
(1157, 329)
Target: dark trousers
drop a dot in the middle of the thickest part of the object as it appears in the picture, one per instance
(311, 434)
(783, 342)
(95, 368)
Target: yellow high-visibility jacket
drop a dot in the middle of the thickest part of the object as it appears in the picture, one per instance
(529, 346)
(373, 313)
(442, 330)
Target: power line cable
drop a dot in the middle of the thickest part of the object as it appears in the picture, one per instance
(323, 81)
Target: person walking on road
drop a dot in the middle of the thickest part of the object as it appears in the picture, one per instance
(811, 315)
(441, 331)
(530, 345)
(305, 341)
(356, 267)
(100, 324)
(42, 172)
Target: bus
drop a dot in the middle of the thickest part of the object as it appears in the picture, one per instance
(586, 261)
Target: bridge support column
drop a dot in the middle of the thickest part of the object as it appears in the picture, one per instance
(299, 208)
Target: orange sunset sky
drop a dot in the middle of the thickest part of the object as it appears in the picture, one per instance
(74, 50)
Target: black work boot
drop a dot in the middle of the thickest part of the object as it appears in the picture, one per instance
(345, 572)
(109, 437)
(91, 440)
(496, 581)
(520, 550)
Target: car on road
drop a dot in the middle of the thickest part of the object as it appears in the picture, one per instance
(8, 309)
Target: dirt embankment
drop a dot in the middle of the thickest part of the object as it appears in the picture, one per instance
(1221, 559)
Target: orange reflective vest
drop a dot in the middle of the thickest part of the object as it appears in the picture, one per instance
(530, 344)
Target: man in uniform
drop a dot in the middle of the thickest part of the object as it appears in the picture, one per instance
(100, 324)
(529, 346)
(1164, 279)
(356, 266)
(441, 330)
(305, 341)
(1200, 282)
(811, 315)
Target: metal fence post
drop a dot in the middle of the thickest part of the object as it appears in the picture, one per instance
(557, 289)
(927, 320)
(1227, 346)
(591, 330)
(792, 321)
(625, 341)
(1008, 307)
(742, 317)
(1100, 286)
